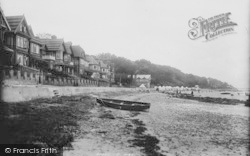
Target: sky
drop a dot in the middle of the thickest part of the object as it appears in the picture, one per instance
(155, 30)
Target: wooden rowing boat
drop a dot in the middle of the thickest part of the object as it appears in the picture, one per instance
(124, 105)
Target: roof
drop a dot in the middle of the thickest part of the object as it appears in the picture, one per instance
(143, 76)
(52, 44)
(33, 38)
(103, 65)
(14, 21)
(31, 31)
(67, 48)
(91, 59)
(78, 51)
(5, 18)
(142, 86)
(36, 40)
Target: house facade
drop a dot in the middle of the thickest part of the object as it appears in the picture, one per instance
(68, 64)
(104, 70)
(53, 53)
(18, 40)
(5, 52)
(26, 48)
(142, 79)
(94, 67)
(80, 63)
(35, 53)
(25, 57)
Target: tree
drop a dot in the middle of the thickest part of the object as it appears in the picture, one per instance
(160, 74)
(46, 36)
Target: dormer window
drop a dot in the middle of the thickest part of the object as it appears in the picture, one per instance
(22, 28)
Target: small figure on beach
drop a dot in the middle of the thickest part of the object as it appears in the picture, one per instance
(192, 93)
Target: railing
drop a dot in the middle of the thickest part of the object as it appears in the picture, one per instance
(28, 76)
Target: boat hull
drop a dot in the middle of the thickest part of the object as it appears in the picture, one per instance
(124, 105)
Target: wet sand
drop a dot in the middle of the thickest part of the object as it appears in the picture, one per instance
(180, 126)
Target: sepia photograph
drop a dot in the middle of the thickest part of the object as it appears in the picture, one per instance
(124, 78)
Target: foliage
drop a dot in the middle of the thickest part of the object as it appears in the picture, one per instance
(161, 74)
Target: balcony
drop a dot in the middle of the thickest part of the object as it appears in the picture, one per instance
(49, 57)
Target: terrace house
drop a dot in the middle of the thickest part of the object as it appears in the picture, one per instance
(68, 65)
(18, 40)
(80, 63)
(5, 52)
(35, 48)
(93, 66)
(53, 53)
(104, 70)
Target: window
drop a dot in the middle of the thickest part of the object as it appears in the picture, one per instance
(22, 42)
(23, 29)
(22, 60)
(19, 59)
(35, 48)
(67, 58)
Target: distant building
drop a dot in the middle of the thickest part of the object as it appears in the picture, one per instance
(53, 52)
(142, 79)
(80, 62)
(94, 66)
(104, 70)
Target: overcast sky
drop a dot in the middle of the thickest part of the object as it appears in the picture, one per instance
(155, 30)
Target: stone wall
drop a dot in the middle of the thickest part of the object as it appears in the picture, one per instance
(29, 92)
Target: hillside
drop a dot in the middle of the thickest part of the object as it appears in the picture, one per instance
(161, 74)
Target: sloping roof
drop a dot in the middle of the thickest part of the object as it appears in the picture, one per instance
(5, 20)
(78, 51)
(67, 47)
(143, 76)
(36, 40)
(91, 59)
(102, 64)
(52, 44)
(14, 21)
(33, 38)
(31, 31)
(142, 86)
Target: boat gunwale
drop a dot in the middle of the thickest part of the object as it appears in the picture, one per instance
(138, 106)
(129, 102)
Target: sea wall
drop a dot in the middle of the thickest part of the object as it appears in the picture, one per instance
(20, 93)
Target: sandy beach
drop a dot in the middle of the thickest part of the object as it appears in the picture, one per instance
(171, 127)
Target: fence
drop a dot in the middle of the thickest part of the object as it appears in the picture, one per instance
(12, 76)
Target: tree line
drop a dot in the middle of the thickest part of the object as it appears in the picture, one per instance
(161, 74)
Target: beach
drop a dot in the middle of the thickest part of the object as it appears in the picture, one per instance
(171, 127)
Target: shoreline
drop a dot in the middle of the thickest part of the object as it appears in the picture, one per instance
(173, 126)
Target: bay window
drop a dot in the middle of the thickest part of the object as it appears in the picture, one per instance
(22, 42)
(34, 48)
